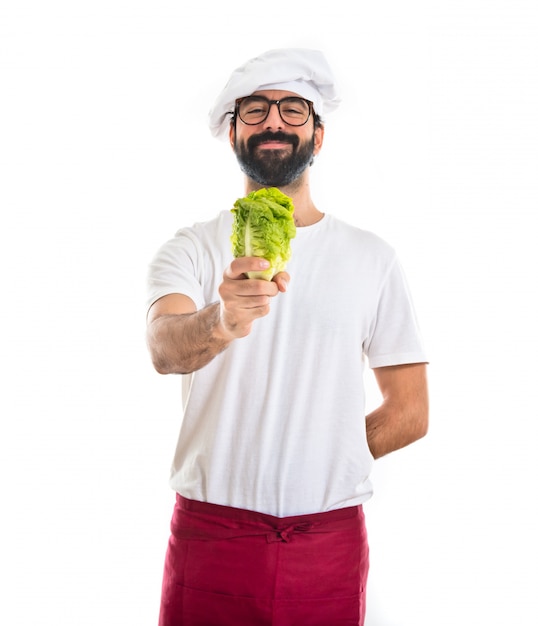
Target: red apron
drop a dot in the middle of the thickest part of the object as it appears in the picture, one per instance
(230, 567)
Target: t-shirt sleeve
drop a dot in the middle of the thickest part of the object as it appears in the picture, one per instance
(175, 269)
(395, 337)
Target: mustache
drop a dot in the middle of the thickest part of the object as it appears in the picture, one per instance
(256, 140)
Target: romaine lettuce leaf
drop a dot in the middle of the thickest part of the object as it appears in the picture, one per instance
(263, 226)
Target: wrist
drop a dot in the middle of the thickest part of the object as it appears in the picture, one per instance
(220, 330)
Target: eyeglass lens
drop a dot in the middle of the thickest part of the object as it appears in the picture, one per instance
(255, 109)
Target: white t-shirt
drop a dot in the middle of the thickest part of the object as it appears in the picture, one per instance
(276, 422)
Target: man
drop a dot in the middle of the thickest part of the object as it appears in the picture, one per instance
(273, 459)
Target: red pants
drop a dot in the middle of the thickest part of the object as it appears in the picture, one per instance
(230, 567)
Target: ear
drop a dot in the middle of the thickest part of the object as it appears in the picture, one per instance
(231, 135)
(319, 133)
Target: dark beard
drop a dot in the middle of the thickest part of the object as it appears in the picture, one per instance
(273, 168)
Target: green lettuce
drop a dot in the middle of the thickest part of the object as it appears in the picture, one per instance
(263, 226)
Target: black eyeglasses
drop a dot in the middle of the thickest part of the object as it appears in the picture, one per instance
(254, 110)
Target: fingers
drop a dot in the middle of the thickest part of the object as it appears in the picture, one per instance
(241, 292)
(282, 280)
(242, 299)
(240, 266)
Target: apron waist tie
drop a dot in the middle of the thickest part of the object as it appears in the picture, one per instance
(285, 534)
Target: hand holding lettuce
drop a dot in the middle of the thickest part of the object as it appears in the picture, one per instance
(263, 226)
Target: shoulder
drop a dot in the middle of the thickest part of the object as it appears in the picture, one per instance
(361, 243)
(200, 243)
(367, 237)
(209, 229)
(207, 235)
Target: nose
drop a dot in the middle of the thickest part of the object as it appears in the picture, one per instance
(273, 119)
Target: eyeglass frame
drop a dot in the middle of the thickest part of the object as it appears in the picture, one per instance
(271, 102)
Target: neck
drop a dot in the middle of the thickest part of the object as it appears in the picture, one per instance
(305, 212)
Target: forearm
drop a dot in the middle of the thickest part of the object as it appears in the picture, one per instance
(180, 344)
(402, 418)
(388, 429)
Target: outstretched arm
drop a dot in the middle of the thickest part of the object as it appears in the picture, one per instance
(182, 339)
(402, 417)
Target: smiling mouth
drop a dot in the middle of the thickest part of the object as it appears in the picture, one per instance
(272, 141)
(274, 145)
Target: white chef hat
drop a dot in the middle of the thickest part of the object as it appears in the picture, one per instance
(300, 70)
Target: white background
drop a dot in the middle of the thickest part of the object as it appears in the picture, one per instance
(105, 152)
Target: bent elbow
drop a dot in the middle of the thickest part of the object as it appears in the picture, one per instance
(159, 364)
(164, 366)
(160, 367)
(421, 425)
